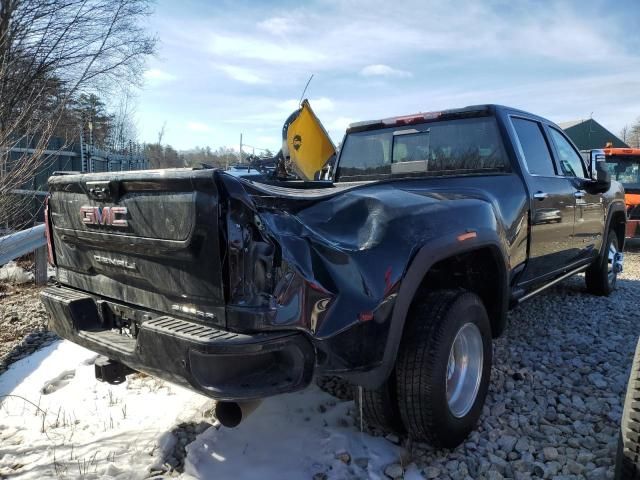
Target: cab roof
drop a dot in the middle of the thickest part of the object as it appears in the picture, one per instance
(449, 114)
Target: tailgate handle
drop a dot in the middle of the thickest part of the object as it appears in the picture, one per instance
(103, 190)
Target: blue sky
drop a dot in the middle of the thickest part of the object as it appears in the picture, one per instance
(226, 67)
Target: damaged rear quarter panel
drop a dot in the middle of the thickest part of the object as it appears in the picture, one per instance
(340, 258)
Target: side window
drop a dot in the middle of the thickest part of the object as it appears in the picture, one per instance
(570, 162)
(534, 147)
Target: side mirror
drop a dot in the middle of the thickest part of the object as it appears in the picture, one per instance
(603, 177)
(598, 171)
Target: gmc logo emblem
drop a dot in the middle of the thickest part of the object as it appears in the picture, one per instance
(111, 216)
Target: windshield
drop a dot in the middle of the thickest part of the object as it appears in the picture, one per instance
(625, 169)
(449, 147)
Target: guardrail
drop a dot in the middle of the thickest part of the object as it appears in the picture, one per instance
(26, 241)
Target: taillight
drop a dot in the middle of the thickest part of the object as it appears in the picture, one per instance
(47, 233)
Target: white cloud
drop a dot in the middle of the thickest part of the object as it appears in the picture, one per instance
(549, 61)
(198, 127)
(157, 75)
(267, 139)
(254, 47)
(241, 74)
(380, 70)
(344, 35)
(339, 124)
(279, 25)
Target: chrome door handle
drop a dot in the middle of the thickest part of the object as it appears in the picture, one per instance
(540, 195)
(579, 194)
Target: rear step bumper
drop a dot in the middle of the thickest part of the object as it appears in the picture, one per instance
(217, 363)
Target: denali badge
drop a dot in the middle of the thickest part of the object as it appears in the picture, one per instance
(115, 262)
(193, 311)
(104, 216)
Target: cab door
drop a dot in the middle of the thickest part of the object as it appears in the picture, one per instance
(589, 210)
(552, 204)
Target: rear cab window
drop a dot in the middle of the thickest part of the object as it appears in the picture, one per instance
(445, 147)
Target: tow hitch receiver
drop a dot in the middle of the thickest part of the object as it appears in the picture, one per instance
(111, 371)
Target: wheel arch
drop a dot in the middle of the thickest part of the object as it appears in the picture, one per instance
(486, 245)
(616, 221)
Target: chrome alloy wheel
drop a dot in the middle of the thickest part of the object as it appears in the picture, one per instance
(464, 370)
(615, 261)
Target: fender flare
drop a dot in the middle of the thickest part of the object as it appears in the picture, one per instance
(614, 207)
(428, 255)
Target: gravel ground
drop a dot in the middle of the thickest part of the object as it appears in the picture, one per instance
(554, 406)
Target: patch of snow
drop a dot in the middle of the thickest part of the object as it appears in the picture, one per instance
(12, 273)
(288, 437)
(95, 430)
(90, 429)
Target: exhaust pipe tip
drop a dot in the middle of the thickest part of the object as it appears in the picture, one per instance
(228, 414)
(231, 414)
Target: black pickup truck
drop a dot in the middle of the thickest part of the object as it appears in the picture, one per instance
(395, 273)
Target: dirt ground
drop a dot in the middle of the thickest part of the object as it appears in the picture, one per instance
(23, 321)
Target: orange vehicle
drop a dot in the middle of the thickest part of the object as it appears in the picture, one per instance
(624, 166)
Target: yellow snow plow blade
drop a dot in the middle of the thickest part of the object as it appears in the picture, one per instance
(309, 145)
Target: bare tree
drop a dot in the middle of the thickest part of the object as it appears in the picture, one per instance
(161, 132)
(624, 133)
(123, 129)
(221, 157)
(51, 51)
(634, 135)
(163, 156)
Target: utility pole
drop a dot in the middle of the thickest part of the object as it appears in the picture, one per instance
(240, 148)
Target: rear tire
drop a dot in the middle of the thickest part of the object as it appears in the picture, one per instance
(628, 456)
(444, 367)
(380, 406)
(602, 277)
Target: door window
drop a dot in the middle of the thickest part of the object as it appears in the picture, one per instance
(570, 162)
(534, 147)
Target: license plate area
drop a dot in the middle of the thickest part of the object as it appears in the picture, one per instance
(121, 319)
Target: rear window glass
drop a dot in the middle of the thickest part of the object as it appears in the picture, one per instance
(437, 148)
(366, 154)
